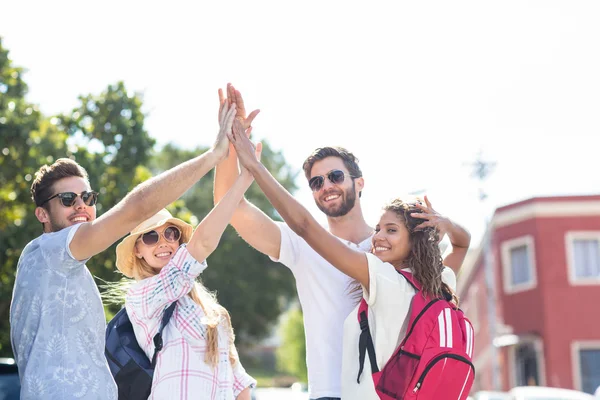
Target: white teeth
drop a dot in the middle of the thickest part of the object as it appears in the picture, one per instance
(79, 219)
(332, 197)
(381, 249)
(162, 254)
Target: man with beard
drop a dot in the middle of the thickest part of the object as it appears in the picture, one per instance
(56, 317)
(324, 292)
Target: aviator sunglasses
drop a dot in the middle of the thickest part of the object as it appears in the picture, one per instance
(171, 234)
(335, 176)
(68, 199)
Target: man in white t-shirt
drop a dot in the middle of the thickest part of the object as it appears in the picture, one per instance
(56, 317)
(324, 292)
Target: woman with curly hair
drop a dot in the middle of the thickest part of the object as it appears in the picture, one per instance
(406, 238)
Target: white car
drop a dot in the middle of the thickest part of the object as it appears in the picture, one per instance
(547, 393)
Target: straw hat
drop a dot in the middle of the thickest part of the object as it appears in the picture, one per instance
(125, 254)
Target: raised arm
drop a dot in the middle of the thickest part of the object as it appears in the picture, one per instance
(459, 237)
(351, 262)
(151, 196)
(253, 225)
(208, 233)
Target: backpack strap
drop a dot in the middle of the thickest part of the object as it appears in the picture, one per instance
(411, 279)
(158, 342)
(365, 341)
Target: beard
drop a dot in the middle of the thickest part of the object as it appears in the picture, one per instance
(348, 201)
(57, 225)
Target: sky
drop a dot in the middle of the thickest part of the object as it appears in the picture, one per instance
(416, 90)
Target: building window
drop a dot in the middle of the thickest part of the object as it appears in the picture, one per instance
(587, 366)
(526, 361)
(518, 262)
(526, 365)
(583, 257)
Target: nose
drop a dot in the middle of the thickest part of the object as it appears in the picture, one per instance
(79, 203)
(327, 184)
(378, 235)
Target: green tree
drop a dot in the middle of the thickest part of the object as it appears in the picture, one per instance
(26, 142)
(252, 287)
(105, 133)
(291, 355)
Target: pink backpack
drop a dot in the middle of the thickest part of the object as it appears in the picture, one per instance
(434, 361)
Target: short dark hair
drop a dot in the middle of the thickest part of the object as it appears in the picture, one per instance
(350, 161)
(48, 175)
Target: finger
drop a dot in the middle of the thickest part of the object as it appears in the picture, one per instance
(423, 226)
(420, 216)
(224, 113)
(258, 150)
(221, 102)
(427, 202)
(239, 101)
(229, 118)
(421, 207)
(251, 117)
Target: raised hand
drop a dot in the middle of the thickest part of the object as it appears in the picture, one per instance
(235, 97)
(226, 117)
(248, 154)
(432, 218)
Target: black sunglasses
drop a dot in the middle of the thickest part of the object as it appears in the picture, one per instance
(335, 176)
(68, 199)
(171, 234)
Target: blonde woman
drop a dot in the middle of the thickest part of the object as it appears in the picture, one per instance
(165, 256)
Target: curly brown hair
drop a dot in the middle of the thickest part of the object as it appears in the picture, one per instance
(425, 258)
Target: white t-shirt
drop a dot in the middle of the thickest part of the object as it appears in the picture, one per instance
(389, 302)
(326, 302)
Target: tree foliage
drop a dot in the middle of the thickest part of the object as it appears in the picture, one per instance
(291, 355)
(105, 133)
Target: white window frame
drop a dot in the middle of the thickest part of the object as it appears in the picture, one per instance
(576, 347)
(570, 238)
(507, 246)
(538, 345)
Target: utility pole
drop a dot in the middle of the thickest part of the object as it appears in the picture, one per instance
(481, 171)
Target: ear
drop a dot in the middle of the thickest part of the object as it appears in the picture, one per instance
(359, 183)
(136, 252)
(42, 214)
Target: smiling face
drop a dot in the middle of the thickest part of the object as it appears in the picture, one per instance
(159, 254)
(335, 200)
(55, 216)
(391, 242)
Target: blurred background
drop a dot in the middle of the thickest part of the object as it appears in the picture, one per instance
(490, 108)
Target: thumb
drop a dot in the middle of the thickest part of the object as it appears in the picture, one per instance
(258, 150)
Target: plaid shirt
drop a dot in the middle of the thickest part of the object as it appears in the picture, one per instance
(181, 372)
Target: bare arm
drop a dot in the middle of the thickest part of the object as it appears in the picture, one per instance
(149, 197)
(244, 395)
(207, 235)
(460, 238)
(253, 225)
(351, 262)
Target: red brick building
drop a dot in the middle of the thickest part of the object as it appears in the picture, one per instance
(545, 275)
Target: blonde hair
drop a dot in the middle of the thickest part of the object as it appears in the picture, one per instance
(214, 312)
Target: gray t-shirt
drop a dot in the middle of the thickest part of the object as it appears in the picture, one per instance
(57, 324)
